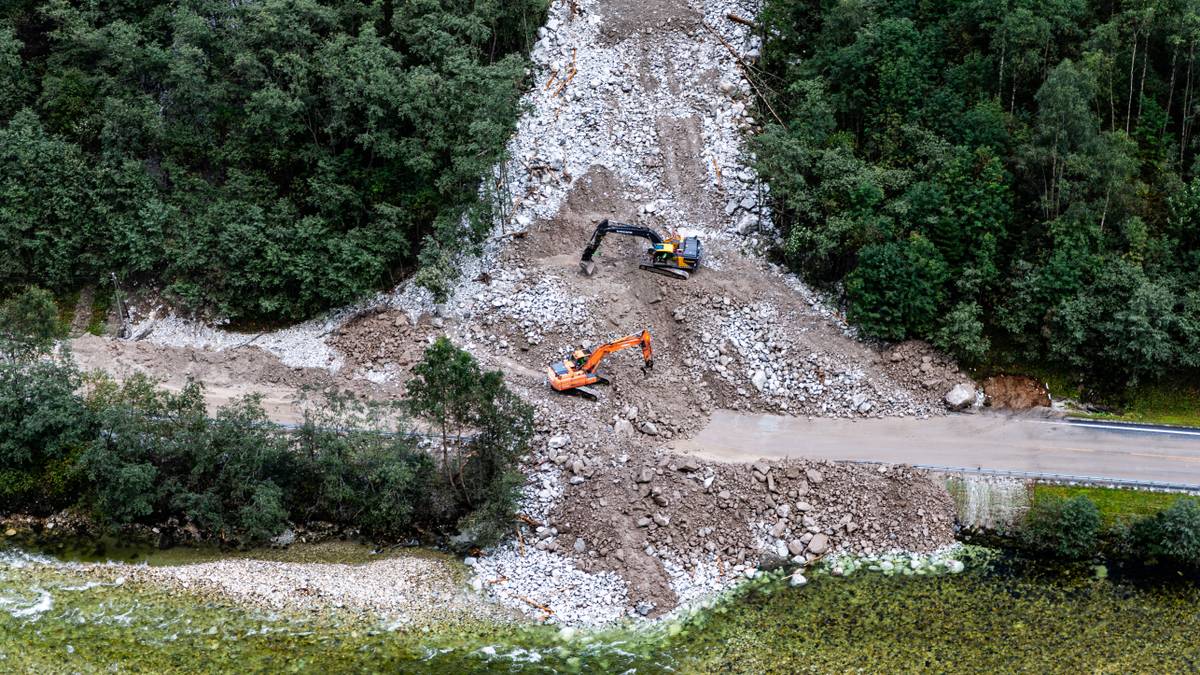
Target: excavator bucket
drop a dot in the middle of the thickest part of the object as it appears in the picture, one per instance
(588, 267)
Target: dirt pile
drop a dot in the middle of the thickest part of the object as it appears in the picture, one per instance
(1015, 392)
(383, 344)
(644, 516)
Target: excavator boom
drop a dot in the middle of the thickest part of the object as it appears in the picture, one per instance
(602, 351)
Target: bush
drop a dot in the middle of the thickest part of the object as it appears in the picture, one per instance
(1065, 528)
(28, 324)
(1171, 535)
(43, 428)
(160, 458)
(896, 290)
(482, 430)
(380, 482)
(135, 454)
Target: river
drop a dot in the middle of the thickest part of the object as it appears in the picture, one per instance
(995, 616)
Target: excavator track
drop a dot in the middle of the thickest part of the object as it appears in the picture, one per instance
(585, 392)
(666, 271)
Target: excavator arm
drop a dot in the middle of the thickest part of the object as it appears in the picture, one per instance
(602, 351)
(607, 226)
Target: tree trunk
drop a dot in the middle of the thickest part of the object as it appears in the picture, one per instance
(1129, 100)
(1112, 99)
(1104, 213)
(1000, 82)
(1187, 102)
(1170, 92)
(1142, 86)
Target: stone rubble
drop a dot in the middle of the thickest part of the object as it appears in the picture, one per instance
(638, 111)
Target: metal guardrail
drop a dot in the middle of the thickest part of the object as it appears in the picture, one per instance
(1161, 486)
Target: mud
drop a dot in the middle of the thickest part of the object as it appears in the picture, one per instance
(1015, 392)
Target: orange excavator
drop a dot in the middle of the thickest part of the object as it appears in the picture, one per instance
(573, 374)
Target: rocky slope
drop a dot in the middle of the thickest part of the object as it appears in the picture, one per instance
(639, 112)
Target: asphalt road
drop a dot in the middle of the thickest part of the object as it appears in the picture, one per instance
(1049, 446)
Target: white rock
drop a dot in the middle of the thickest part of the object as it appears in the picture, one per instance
(961, 397)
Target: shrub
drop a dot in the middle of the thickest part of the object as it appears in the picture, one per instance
(28, 324)
(160, 457)
(1066, 528)
(359, 475)
(43, 427)
(134, 454)
(482, 430)
(1171, 535)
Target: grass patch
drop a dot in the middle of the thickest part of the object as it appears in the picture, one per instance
(1166, 403)
(1115, 504)
(66, 310)
(100, 308)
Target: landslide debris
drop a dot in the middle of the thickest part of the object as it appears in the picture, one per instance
(639, 113)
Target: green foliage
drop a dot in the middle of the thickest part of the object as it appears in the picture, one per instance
(133, 453)
(28, 324)
(482, 429)
(895, 290)
(44, 425)
(961, 333)
(1047, 151)
(1172, 535)
(1065, 528)
(1076, 523)
(266, 159)
(1116, 505)
(359, 474)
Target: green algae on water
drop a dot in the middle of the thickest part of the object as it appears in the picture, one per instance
(987, 619)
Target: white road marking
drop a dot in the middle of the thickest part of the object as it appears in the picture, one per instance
(1123, 427)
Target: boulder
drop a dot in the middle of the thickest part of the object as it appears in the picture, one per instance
(960, 397)
(819, 544)
(759, 380)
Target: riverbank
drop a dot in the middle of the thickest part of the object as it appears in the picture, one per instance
(1000, 614)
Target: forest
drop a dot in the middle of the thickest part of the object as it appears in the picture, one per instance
(1015, 180)
(261, 160)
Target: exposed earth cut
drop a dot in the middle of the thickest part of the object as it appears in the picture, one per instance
(638, 113)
